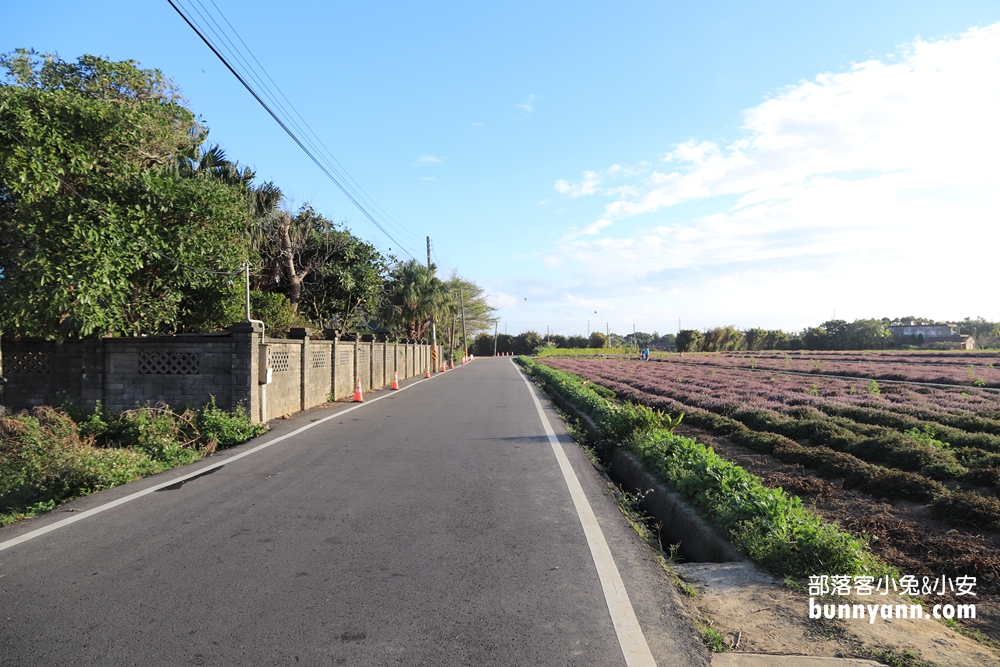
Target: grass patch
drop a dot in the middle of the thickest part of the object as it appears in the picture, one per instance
(51, 455)
(713, 638)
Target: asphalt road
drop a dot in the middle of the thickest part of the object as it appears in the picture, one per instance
(431, 527)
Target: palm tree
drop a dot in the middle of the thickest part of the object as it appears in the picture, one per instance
(413, 295)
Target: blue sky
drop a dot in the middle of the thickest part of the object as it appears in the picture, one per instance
(756, 164)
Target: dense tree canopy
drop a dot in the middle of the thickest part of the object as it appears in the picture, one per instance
(101, 232)
(118, 218)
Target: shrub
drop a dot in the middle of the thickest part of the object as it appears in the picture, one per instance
(47, 456)
(227, 428)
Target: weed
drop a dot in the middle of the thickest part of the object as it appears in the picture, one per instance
(873, 388)
(713, 638)
(51, 455)
(813, 390)
(890, 656)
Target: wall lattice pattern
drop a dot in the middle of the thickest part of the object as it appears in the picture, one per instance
(281, 361)
(27, 362)
(169, 363)
(345, 358)
(319, 358)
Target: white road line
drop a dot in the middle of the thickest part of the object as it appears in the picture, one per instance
(630, 637)
(13, 542)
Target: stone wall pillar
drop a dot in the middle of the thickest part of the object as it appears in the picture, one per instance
(246, 388)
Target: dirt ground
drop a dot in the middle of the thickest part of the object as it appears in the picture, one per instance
(771, 617)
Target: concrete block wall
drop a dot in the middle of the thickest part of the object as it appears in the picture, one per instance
(190, 370)
(343, 377)
(176, 370)
(283, 393)
(316, 378)
(378, 366)
(364, 365)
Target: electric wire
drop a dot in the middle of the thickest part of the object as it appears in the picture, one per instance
(326, 168)
(105, 216)
(326, 150)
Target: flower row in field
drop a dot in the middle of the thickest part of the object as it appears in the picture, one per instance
(979, 371)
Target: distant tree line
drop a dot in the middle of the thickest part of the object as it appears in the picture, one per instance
(862, 334)
(118, 217)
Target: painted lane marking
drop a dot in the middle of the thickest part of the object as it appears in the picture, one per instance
(630, 637)
(13, 542)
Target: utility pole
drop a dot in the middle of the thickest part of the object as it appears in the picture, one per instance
(451, 342)
(546, 333)
(246, 285)
(465, 339)
(496, 326)
(678, 325)
(634, 341)
(434, 349)
(588, 328)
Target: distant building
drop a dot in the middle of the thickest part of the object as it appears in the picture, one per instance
(939, 336)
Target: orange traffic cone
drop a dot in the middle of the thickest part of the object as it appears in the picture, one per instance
(395, 380)
(451, 364)
(358, 396)
(442, 366)
(427, 371)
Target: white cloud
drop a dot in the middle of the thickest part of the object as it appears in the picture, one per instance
(875, 189)
(527, 107)
(428, 161)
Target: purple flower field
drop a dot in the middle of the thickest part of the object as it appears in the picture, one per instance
(722, 390)
(969, 369)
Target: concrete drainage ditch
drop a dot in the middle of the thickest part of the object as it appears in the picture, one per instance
(678, 522)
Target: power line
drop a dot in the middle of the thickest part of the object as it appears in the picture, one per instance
(328, 169)
(374, 204)
(104, 216)
(234, 51)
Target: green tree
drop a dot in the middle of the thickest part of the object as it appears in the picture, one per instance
(755, 338)
(722, 339)
(815, 338)
(479, 314)
(101, 232)
(349, 288)
(412, 296)
(329, 276)
(598, 340)
(866, 335)
(688, 340)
